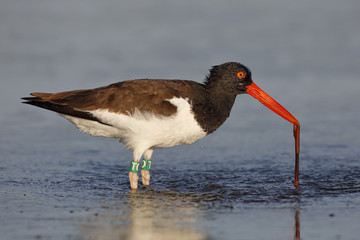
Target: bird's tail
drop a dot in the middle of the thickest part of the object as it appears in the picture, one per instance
(43, 100)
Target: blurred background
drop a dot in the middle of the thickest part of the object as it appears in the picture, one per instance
(302, 53)
(305, 54)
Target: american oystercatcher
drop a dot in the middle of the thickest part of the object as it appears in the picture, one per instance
(146, 114)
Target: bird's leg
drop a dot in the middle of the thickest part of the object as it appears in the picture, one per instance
(145, 171)
(145, 167)
(133, 174)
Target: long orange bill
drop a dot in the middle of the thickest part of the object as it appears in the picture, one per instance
(268, 101)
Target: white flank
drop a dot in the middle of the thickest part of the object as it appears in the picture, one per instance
(145, 130)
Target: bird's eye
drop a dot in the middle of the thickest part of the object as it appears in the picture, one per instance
(241, 75)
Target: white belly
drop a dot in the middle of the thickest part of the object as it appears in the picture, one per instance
(144, 129)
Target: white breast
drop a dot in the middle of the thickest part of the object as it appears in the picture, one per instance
(145, 130)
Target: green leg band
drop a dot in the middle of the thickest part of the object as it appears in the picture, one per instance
(146, 164)
(134, 167)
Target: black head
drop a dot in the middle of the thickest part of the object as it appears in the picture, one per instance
(232, 77)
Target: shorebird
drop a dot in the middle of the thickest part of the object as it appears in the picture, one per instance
(146, 114)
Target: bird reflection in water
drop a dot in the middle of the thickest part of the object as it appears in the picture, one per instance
(149, 215)
(164, 215)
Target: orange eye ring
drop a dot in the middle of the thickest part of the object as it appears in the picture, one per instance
(241, 75)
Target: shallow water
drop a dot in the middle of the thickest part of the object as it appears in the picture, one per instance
(58, 183)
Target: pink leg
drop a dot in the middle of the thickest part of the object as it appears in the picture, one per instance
(145, 177)
(133, 177)
(145, 174)
(133, 174)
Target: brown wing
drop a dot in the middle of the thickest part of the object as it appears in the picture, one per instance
(123, 97)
